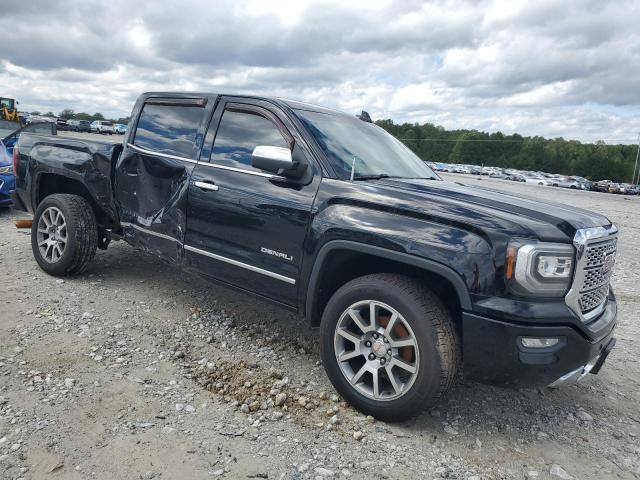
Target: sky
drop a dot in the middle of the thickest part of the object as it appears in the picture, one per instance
(556, 68)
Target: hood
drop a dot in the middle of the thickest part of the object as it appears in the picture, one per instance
(477, 206)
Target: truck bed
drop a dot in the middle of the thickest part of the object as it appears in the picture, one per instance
(57, 158)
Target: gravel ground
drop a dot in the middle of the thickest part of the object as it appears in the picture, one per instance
(136, 370)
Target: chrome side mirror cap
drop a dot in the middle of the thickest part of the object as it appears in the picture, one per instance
(276, 160)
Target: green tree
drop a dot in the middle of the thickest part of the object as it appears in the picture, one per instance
(67, 113)
(593, 161)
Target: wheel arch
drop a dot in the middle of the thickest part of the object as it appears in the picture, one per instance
(340, 261)
(50, 183)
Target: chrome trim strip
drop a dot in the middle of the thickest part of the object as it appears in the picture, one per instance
(240, 170)
(206, 186)
(575, 375)
(159, 154)
(240, 264)
(581, 240)
(150, 232)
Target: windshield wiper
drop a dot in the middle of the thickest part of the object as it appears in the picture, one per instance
(377, 176)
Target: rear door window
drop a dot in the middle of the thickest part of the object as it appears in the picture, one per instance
(238, 134)
(169, 129)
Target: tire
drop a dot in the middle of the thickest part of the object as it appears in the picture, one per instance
(80, 234)
(424, 319)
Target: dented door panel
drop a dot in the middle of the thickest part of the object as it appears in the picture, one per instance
(152, 175)
(152, 193)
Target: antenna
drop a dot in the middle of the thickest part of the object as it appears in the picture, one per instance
(633, 179)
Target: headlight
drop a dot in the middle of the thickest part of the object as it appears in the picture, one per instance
(6, 170)
(540, 269)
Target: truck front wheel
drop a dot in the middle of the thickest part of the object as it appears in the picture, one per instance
(64, 234)
(389, 346)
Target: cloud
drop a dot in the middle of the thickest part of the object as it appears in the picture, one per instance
(550, 67)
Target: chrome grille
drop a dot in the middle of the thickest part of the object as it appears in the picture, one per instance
(594, 278)
(593, 298)
(595, 255)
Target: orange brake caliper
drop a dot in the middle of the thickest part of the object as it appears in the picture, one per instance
(400, 332)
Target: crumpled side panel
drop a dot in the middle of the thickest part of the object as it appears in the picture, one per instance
(152, 194)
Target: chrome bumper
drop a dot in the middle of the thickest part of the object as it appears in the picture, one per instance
(575, 375)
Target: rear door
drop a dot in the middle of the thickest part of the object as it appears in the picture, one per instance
(246, 226)
(153, 171)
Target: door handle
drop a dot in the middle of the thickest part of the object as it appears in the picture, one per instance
(207, 185)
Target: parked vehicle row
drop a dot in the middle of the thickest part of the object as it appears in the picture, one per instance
(539, 178)
(87, 126)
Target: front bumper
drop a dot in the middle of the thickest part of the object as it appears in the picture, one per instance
(493, 352)
(7, 185)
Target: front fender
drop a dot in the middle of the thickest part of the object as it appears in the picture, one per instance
(422, 263)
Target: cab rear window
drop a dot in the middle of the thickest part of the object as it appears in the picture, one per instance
(169, 129)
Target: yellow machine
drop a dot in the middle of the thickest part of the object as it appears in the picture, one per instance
(8, 110)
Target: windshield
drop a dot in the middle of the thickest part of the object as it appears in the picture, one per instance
(371, 151)
(7, 128)
(7, 103)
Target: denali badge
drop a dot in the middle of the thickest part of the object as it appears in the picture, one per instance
(268, 251)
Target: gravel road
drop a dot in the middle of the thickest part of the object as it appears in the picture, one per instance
(136, 370)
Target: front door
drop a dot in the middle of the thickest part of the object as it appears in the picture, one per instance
(245, 226)
(153, 171)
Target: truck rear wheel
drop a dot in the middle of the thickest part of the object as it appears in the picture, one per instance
(389, 346)
(64, 234)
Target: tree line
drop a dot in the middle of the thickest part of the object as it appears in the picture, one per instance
(595, 161)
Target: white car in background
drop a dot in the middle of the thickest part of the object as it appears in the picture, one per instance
(101, 126)
(567, 182)
(537, 179)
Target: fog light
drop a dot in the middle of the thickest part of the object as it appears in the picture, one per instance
(539, 342)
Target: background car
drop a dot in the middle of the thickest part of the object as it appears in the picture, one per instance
(9, 135)
(79, 125)
(103, 127)
(583, 182)
(602, 186)
(62, 124)
(498, 174)
(537, 179)
(7, 179)
(120, 128)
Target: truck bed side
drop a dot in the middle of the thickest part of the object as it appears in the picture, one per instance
(49, 164)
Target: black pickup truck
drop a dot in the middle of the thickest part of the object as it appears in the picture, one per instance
(411, 279)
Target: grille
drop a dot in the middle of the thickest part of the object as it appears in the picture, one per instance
(593, 299)
(595, 285)
(597, 253)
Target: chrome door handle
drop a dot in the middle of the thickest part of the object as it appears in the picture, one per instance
(206, 186)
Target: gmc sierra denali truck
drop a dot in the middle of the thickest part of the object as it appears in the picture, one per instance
(411, 279)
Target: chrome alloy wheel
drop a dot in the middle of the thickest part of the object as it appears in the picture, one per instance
(52, 234)
(376, 350)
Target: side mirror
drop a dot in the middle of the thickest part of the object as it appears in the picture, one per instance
(276, 160)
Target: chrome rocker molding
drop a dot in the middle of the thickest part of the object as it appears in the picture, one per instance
(581, 240)
(189, 248)
(262, 271)
(150, 232)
